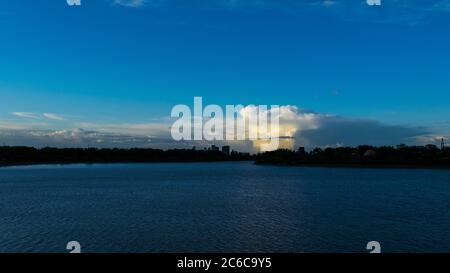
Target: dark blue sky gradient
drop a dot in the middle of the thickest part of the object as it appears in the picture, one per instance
(110, 63)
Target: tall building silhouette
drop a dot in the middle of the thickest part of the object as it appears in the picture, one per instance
(226, 150)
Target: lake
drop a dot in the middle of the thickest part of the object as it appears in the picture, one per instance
(222, 207)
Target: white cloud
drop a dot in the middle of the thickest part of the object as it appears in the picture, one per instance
(430, 139)
(25, 115)
(5, 125)
(297, 128)
(53, 116)
(144, 129)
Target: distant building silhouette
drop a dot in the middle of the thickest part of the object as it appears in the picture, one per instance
(226, 150)
(214, 148)
(442, 144)
(402, 146)
(30, 155)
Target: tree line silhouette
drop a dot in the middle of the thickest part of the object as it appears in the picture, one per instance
(364, 155)
(31, 155)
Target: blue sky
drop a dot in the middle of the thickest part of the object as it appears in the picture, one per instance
(116, 68)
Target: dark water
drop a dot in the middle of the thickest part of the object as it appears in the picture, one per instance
(222, 207)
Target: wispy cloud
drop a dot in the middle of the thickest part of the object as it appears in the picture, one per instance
(31, 115)
(130, 3)
(8, 125)
(443, 6)
(25, 115)
(53, 116)
(328, 3)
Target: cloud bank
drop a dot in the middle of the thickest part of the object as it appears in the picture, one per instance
(297, 128)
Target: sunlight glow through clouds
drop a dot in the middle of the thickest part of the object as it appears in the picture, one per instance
(297, 128)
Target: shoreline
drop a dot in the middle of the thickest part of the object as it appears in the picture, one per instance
(22, 164)
(340, 166)
(357, 166)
